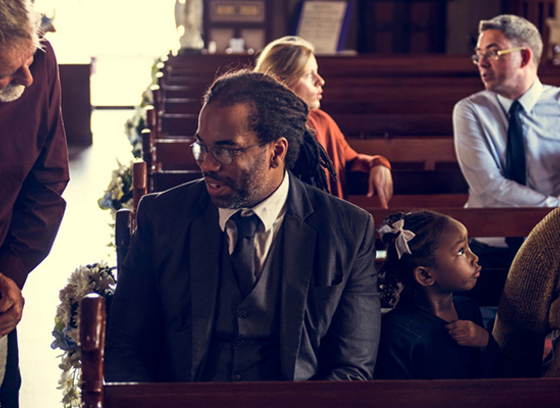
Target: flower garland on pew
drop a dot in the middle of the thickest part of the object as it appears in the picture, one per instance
(133, 127)
(119, 191)
(97, 278)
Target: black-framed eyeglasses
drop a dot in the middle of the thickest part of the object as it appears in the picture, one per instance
(494, 54)
(221, 154)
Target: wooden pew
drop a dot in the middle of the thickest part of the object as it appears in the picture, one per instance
(404, 153)
(174, 154)
(367, 95)
(488, 393)
(420, 165)
(412, 201)
(484, 222)
(430, 152)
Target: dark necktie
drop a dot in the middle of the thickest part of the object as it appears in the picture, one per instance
(515, 158)
(515, 153)
(243, 256)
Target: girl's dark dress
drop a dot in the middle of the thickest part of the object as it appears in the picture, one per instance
(415, 344)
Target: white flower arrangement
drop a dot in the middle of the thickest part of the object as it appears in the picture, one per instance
(133, 130)
(97, 278)
(119, 191)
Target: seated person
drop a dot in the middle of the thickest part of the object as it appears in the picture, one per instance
(291, 60)
(431, 333)
(529, 309)
(248, 274)
(506, 137)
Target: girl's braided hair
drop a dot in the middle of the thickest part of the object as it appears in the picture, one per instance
(396, 275)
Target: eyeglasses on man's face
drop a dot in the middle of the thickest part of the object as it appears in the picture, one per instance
(495, 54)
(221, 154)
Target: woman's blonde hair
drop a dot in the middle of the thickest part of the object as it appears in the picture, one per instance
(285, 58)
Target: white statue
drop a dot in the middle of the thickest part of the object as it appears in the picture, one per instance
(188, 15)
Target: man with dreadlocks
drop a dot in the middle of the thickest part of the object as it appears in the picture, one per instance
(249, 274)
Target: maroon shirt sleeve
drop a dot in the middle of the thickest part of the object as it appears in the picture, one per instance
(33, 170)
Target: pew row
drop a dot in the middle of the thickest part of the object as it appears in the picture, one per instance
(367, 95)
(488, 393)
(421, 166)
(428, 153)
(355, 67)
(483, 222)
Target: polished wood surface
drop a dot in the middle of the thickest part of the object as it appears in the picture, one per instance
(488, 393)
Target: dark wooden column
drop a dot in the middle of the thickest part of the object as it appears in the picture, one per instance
(537, 12)
(402, 26)
(76, 103)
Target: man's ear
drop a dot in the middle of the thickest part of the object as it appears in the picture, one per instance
(423, 276)
(278, 152)
(526, 56)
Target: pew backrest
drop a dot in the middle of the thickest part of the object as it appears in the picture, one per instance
(488, 393)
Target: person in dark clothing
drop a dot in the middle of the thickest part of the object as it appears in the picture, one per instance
(430, 333)
(304, 302)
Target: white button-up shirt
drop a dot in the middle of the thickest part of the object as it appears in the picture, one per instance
(480, 124)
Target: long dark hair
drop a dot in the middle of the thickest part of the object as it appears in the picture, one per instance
(276, 112)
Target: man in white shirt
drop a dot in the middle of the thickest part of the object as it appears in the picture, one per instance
(508, 53)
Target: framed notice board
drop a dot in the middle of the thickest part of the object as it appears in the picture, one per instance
(238, 19)
(325, 24)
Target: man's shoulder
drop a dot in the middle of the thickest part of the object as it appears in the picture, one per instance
(45, 56)
(483, 97)
(325, 203)
(551, 91)
(183, 195)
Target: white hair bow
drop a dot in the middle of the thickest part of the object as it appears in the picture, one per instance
(402, 236)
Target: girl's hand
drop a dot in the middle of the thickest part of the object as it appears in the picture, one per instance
(467, 333)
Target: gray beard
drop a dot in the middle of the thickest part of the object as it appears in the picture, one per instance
(11, 93)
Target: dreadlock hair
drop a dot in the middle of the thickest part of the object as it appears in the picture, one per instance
(275, 112)
(396, 275)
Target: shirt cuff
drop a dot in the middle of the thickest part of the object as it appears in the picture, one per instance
(379, 161)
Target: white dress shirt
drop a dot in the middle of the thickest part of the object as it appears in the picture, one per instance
(271, 212)
(480, 124)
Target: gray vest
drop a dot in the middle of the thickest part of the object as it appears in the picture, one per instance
(245, 343)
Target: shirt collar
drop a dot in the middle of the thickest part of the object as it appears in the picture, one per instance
(528, 100)
(267, 210)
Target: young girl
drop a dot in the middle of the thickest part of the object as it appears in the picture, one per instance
(430, 333)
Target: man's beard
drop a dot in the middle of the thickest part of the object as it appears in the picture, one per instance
(11, 93)
(249, 188)
(240, 197)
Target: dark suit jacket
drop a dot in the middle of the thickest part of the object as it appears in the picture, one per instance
(162, 314)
